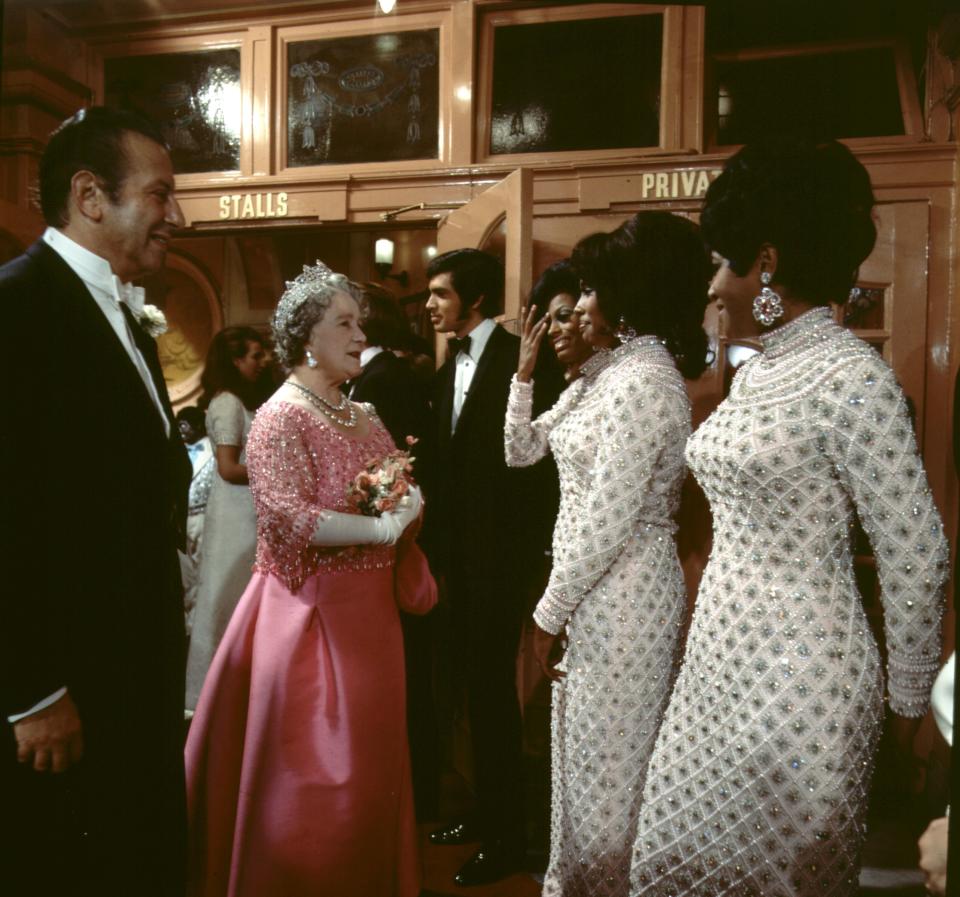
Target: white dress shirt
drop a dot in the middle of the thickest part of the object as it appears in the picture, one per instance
(106, 289)
(366, 356)
(466, 366)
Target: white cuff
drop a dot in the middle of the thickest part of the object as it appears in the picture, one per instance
(36, 708)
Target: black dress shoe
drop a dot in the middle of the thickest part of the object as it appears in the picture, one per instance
(493, 861)
(457, 833)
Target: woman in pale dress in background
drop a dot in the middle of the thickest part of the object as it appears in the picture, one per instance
(234, 384)
(616, 589)
(759, 780)
(298, 777)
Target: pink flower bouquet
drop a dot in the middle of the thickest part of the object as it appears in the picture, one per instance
(381, 485)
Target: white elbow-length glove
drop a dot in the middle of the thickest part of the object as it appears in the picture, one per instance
(336, 529)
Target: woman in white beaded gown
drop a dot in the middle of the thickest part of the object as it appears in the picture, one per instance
(759, 779)
(235, 383)
(617, 435)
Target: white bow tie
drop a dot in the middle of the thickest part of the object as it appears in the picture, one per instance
(133, 297)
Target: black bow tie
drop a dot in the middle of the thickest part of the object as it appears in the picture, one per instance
(457, 346)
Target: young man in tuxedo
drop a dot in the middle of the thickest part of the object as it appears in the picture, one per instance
(487, 530)
(91, 618)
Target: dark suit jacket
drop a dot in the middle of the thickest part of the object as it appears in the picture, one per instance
(95, 506)
(488, 520)
(390, 385)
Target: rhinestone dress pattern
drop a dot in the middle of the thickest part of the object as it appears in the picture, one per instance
(759, 779)
(299, 465)
(617, 435)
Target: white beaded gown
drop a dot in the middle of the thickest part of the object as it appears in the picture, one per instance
(759, 779)
(617, 435)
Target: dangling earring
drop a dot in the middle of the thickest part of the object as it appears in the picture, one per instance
(311, 361)
(625, 332)
(767, 307)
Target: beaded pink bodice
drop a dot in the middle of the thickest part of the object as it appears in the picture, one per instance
(299, 466)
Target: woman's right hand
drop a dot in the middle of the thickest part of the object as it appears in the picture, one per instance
(396, 522)
(548, 652)
(531, 335)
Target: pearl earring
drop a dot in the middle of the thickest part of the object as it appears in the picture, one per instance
(311, 361)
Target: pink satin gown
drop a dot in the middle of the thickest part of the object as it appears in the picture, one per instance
(297, 764)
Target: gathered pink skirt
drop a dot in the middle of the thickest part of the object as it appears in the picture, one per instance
(297, 765)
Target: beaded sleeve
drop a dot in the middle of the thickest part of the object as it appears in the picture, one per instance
(225, 419)
(526, 441)
(643, 425)
(284, 471)
(870, 439)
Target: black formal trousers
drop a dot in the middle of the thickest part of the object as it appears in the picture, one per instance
(486, 531)
(95, 507)
(390, 385)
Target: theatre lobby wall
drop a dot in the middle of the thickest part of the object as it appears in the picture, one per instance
(460, 171)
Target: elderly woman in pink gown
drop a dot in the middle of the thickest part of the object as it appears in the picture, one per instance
(297, 768)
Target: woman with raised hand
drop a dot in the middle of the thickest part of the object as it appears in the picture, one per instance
(556, 294)
(616, 590)
(759, 780)
(298, 778)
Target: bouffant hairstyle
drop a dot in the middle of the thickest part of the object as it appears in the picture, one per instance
(812, 202)
(302, 305)
(557, 278)
(90, 140)
(473, 274)
(384, 323)
(220, 374)
(652, 273)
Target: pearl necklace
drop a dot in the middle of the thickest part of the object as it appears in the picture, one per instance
(328, 409)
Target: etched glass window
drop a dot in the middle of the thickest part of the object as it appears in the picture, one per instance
(193, 97)
(849, 93)
(372, 98)
(587, 84)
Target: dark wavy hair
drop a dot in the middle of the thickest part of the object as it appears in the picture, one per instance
(220, 374)
(90, 140)
(812, 202)
(557, 278)
(473, 274)
(652, 273)
(384, 323)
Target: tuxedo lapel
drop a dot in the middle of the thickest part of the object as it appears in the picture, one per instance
(446, 380)
(93, 328)
(490, 352)
(148, 349)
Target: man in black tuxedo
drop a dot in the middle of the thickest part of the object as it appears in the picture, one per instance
(487, 530)
(395, 391)
(389, 383)
(96, 476)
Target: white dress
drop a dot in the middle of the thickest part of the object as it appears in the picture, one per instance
(228, 546)
(759, 780)
(617, 435)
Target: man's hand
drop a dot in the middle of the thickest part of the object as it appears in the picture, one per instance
(51, 739)
(933, 855)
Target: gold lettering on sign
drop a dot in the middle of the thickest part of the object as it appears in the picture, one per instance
(676, 184)
(238, 206)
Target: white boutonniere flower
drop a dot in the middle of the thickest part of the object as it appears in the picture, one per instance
(153, 321)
